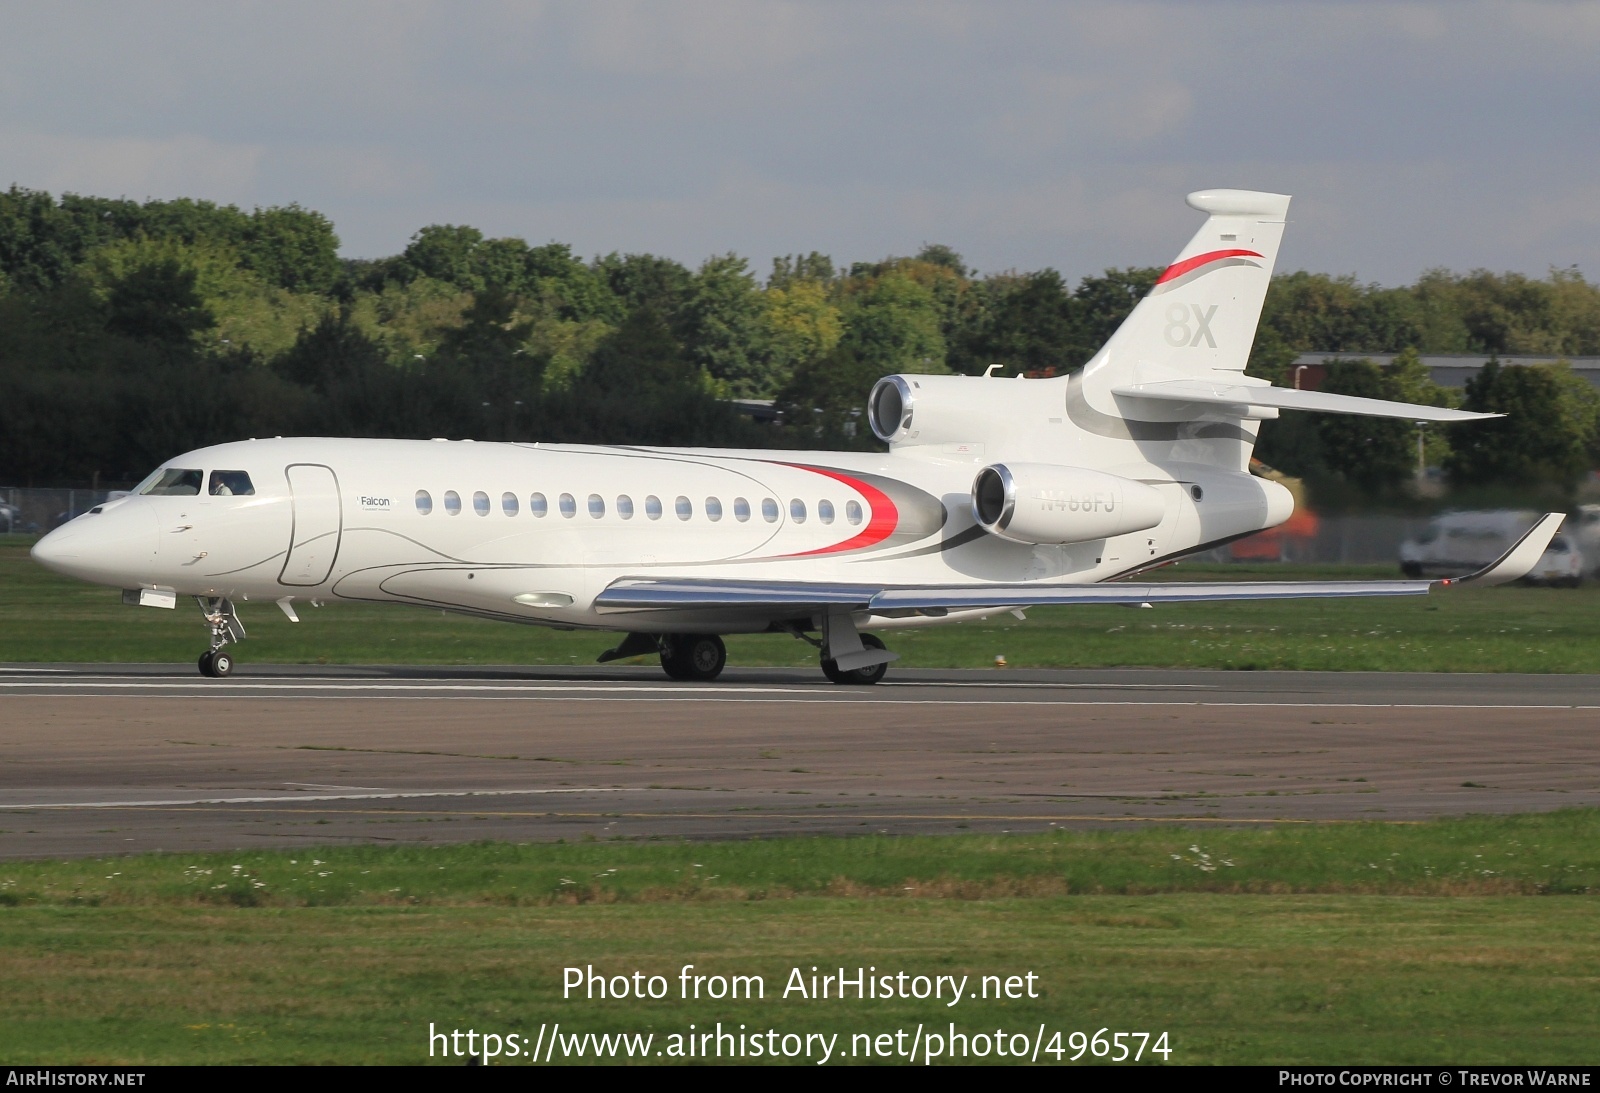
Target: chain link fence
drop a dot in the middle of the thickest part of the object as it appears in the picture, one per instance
(34, 512)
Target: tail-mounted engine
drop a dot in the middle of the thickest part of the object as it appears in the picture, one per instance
(1040, 503)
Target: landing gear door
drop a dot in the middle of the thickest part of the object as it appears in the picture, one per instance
(318, 521)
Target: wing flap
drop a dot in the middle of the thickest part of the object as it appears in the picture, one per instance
(1282, 398)
(693, 594)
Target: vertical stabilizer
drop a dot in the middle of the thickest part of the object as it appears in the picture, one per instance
(1199, 320)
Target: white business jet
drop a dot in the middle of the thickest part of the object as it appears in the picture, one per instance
(994, 495)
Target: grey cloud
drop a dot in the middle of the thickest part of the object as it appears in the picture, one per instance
(1023, 134)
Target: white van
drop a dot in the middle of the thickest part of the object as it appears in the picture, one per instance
(1457, 543)
(1588, 536)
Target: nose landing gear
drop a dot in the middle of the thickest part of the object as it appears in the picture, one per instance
(216, 663)
(225, 626)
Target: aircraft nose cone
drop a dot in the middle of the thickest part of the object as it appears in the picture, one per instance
(112, 547)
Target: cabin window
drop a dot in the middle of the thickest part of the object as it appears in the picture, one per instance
(652, 507)
(452, 502)
(231, 484)
(173, 482)
(597, 505)
(508, 504)
(852, 511)
(769, 510)
(683, 507)
(569, 505)
(797, 511)
(480, 503)
(624, 506)
(424, 502)
(825, 511)
(713, 508)
(538, 505)
(741, 509)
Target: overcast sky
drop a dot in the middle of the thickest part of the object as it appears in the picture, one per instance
(1022, 134)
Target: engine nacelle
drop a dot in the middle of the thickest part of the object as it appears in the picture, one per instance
(911, 410)
(1040, 503)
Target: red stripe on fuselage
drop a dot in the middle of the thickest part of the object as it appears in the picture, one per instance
(1178, 269)
(885, 516)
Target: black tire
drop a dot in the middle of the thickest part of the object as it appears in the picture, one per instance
(864, 677)
(698, 657)
(221, 664)
(1412, 570)
(205, 665)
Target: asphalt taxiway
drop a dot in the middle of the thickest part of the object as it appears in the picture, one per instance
(106, 759)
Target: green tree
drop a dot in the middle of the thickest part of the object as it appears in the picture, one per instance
(1374, 454)
(293, 248)
(158, 302)
(815, 267)
(640, 387)
(1102, 303)
(893, 324)
(1024, 322)
(1547, 437)
(824, 402)
(445, 252)
(722, 328)
(647, 281)
(800, 324)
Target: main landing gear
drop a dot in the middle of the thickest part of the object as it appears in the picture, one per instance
(849, 656)
(225, 626)
(870, 674)
(698, 657)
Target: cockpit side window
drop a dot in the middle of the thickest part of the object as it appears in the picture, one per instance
(231, 484)
(175, 482)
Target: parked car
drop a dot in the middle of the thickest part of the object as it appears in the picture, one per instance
(1456, 543)
(1561, 565)
(10, 518)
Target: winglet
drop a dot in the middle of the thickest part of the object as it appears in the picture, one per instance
(1519, 561)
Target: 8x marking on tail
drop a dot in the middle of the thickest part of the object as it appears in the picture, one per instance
(1178, 333)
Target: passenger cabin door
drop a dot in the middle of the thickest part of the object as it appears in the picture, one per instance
(318, 521)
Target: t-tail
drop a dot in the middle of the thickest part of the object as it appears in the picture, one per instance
(1169, 387)
(1199, 320)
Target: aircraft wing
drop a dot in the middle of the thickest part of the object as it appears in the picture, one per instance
(1282, 398)
(712, 593)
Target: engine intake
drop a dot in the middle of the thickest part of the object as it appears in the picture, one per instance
(1043, 504)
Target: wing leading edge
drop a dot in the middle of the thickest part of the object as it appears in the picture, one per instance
(632, 593)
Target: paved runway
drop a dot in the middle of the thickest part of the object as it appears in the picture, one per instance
(106, 759)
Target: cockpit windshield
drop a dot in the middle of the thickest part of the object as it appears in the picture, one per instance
(173, 482)
(231, 484)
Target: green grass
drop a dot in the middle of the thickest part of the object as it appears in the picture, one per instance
(1436, 942)
(48, 618)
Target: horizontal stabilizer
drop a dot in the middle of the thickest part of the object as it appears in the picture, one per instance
(1223, 393)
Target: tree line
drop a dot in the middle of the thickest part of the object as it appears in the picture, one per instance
(131, 331)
